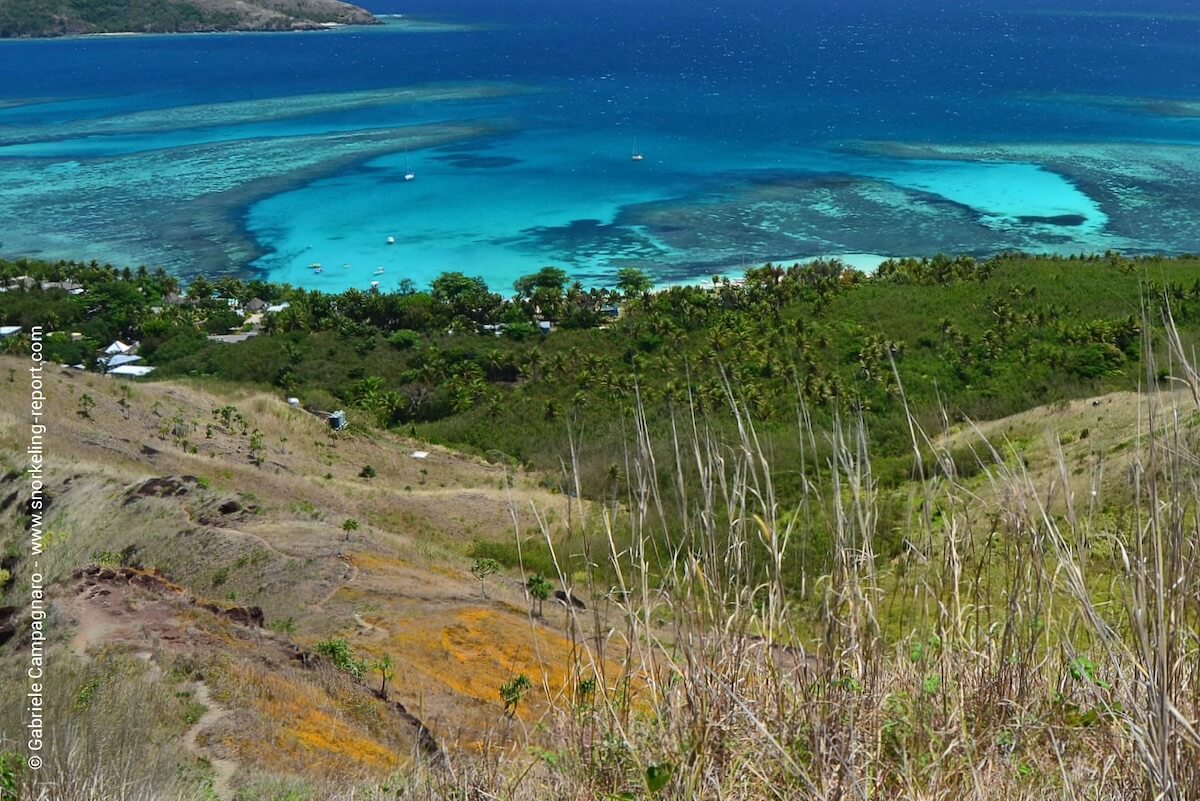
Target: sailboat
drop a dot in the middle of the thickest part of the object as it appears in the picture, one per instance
(379, 271)
(408, 173)
(637, 154)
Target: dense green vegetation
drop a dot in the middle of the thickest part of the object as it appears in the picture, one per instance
(965, 339)
(1010, 648)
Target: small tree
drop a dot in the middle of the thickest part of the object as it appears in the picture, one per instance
(481, 570)
(539, 590)
(256, 447)
(386, 668)
(367, 472)
(86, 404)
(512, 691)
(349, 525)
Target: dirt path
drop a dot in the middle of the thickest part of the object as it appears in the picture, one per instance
(93, 626)
(347, 578)
(224, 769)
(378, 632)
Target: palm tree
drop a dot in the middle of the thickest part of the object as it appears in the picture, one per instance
(539, 590)
(386, 668)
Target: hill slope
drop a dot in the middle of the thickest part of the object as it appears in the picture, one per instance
(225, 568)
(46, 18)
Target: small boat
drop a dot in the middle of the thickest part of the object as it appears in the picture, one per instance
(345, 266)
(391, 240)
(637, 154)
(374, 285)
(317, 271)
(316, 265)
(410, 176)
(379, 271)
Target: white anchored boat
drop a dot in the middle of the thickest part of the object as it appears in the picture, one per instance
(391, 240)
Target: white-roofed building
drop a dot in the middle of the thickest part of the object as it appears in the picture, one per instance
(121, 359)
(131, 370)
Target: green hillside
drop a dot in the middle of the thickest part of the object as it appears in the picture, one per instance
(818, 534)
(39, 18)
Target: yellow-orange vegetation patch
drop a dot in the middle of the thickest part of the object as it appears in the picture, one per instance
(308, 730)
(378, 563)
(473, 651)
(319, 735)
(448, 572)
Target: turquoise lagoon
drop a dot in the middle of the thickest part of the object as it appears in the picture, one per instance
(785, 131)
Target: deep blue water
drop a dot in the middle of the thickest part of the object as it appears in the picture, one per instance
(771, 130)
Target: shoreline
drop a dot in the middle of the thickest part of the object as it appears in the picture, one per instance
(303, 27)
(400, 23)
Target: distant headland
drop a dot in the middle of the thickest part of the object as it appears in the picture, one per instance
(52, 18)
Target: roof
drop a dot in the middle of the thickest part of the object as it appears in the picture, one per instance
(132, 370)
(278, 307)
(256, 304)
(123, 358)
(233, 339)
(118, 347)
(9, 330)
(68, 286)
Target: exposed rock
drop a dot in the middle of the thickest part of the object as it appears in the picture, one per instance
(425, 738)
(569, 598)
(8, 623)
(165, 487)
(251, 616)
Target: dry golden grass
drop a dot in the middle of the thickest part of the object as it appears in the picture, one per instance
(285, 551)
(1011, 677)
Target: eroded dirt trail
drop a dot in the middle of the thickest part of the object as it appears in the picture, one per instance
(223, 769)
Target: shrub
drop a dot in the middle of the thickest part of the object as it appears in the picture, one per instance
(512, 691)
(404, 339)
(341, 655)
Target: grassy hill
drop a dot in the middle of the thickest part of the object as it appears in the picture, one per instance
(924, 534)
(152, 482)
(40, 18)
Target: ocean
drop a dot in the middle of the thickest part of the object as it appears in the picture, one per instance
(770, 130)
